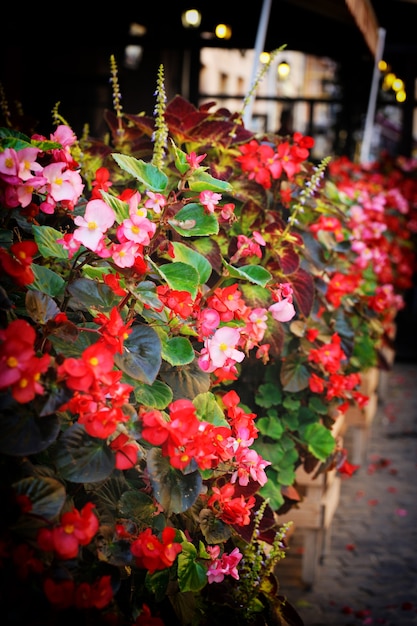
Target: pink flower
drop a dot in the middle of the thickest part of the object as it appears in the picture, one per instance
(63, 184)
(98, 218)
(156, 201)
(210, 200)
(222, 346)
(282, 311)
(226, 566)
(27, 163)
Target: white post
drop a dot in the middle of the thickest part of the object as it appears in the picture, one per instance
(259, 48)
(370, 115)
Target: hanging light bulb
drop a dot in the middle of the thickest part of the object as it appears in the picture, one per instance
(283, 70)
(223, 31)
(191, 18)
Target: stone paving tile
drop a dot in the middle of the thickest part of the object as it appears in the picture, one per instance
(369, 575)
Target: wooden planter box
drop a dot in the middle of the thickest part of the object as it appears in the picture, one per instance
(358, 420)
(388, 353)
(313, 516)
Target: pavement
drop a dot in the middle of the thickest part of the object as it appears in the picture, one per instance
(369, 572)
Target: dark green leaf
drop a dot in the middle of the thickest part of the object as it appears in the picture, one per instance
(40, 307)
(141, 358)
(90, 294)
(294, 375)
(186, 381)
(22, 432)
(176, 492)
(47, 495)
(138, 506)
(82, 458)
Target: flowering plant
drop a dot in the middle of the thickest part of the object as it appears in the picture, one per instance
(157, 290)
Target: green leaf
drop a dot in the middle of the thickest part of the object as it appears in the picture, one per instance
(93, 295)
(74, 348)
(46, 238)
(272, 491)
(47, 495)
(81, 458)
(208, 409)
(40, 307)
(179, 276)
(176, 492)
(294, 375)
(141, 358)
(254, 273)
(192, 576)
(178, 351)
(195, 259)
(22, 432)
(270, 426)
(320, 440)
(268, 395)
(202, 181)
(186, 381)
(46, 281)
(146, 173)
(192, 221)
(156, 396)
(138, 506)
(317, 406)
(120, 207)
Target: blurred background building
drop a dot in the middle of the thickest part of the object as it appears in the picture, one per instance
(330, 50)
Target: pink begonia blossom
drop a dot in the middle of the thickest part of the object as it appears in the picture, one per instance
(257, 324)
(155, 201)
(222, 346)
(69, 244)
(226, 566)
(136, 229)
(9, 166)
(98, 218)
(251, 465)
(63, 185)
(26, 189)
(124, 254)
(66, 137)
(282, 311)
(209, 200)
(208, 321)
(134, 209)
(27, 163)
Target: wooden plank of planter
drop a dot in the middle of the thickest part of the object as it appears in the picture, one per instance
(369, 380)
(313, 520)
(359, 421)
(314, 514)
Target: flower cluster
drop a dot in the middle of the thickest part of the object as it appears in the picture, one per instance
(184, 306)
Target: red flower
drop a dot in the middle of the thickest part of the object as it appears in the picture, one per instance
(76, 528)
(153, 554)
(17, 262)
